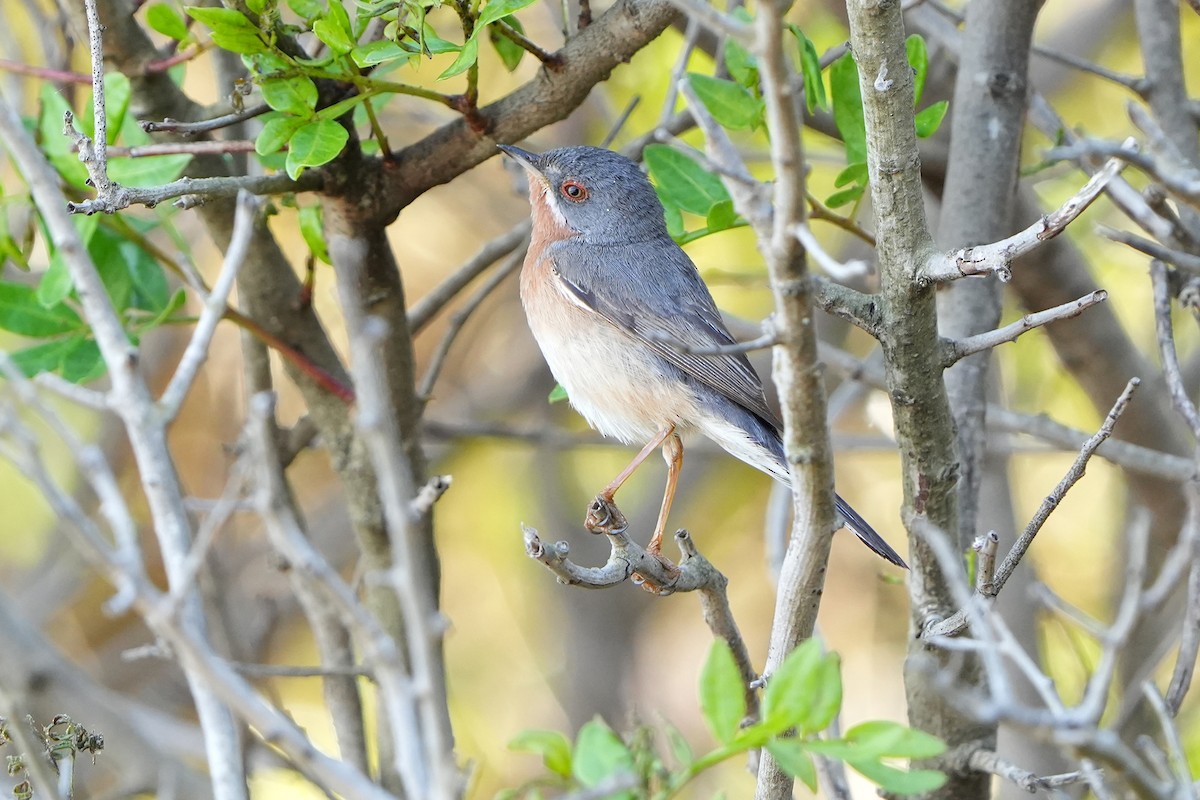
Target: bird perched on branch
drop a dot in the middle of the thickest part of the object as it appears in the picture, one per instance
(620, 311)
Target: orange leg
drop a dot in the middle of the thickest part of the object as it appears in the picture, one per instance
(650, 447)
(673, 454)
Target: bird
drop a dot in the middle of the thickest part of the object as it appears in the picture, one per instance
(619, 310)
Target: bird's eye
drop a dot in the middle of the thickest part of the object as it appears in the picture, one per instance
(574, 191)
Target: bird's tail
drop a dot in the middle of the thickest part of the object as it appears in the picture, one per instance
(866, 534)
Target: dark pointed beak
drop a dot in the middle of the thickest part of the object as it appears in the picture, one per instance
(530, 161)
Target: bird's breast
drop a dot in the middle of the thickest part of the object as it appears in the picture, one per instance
(620, 386)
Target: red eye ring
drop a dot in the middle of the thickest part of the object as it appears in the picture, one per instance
(574, 191)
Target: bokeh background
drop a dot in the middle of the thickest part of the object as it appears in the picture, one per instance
(523, 651)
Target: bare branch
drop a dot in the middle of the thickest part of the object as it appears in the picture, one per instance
(192, 192)
(1166, 345)
(205, 125)
(956, 349)
(1181, 259)
(998, 257)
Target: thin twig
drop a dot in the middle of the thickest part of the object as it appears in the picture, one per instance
(956, 349)
(422, 311)
(204, 125)
(1166, 346)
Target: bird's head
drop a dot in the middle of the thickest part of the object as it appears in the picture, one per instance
(596, 193)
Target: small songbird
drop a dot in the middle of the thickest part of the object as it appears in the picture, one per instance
(616, 306)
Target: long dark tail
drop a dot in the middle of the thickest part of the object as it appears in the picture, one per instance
(866, 534)
(766, 435)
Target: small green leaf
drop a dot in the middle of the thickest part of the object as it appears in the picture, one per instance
(313, 233)
(256, 6)
(845, 197)
(682, 182)
(599, 754)
(742, 66)
(82, 362)
(791, 687)
(147, 170)
(721, 216)
(466, 57)
(680, 749)
(552, 746)
(847, 108)
(380, 51)
(44, 357)
(307, 9)
(671, 216)
(509, 51)
(929, 119)
(54, 144)
(730, 104)
(898, 781)
(163, 18)
(810, 69)
(296, 94)
(20, 312)
(722, 696)
(313, 144)
(231, 30)
(886, 739)
(826, 701)
(854, 173)
(499, 9)
(795, 761)
(275, 134)
(56, 281)
(334, 30)
(918, 59)
(172, 305)
(557, 394)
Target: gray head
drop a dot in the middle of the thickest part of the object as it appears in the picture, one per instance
(598, 193)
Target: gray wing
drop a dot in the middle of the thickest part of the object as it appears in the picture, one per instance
(653, 291)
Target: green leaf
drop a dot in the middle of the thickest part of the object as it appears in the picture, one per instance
(557, 394)
(256, 6)
(117, 92)
(680, 749)
(380, 51)
(499, 9)
(56, 281)
(886, 739)
(83, 362)
(845, 197)
(731, 105)
(110, 252)
(20, 312)
(847, 108)
(509, 51)
(795, 761)
(313, 144)
(296, 94)
(172, 305)
(231, 30)
(163, 18)
(898, 781)
(721, 216)
(930, 119)
(671, 216)
(918, 59)
(854, 173)
(149, 283)
(722, 696)
(810, 69)
(307, 9)
(682, 182)
(552, 746)
(334, 29)
(313, 233)
(826, 701)
(466, 57)
(790, 689)
(741, 64)
(276, 133)
(599, 754)
(44, 357)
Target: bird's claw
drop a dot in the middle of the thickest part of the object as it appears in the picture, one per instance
(603, 516)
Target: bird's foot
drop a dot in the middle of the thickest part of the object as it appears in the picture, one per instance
(603, 516)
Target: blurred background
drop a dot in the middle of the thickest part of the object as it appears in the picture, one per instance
(523, 651)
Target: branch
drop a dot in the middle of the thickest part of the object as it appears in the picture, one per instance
(195, 191)
(204, 125)
(1183, 260)
(858, 308)
(955, 349)
(957, 622)
(627, 559)
(1166, 345)
(998, 257)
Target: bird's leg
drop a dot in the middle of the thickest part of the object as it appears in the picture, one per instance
(672, 451)
(650, 447)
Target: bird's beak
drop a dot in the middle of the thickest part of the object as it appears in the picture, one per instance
(530, 161)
